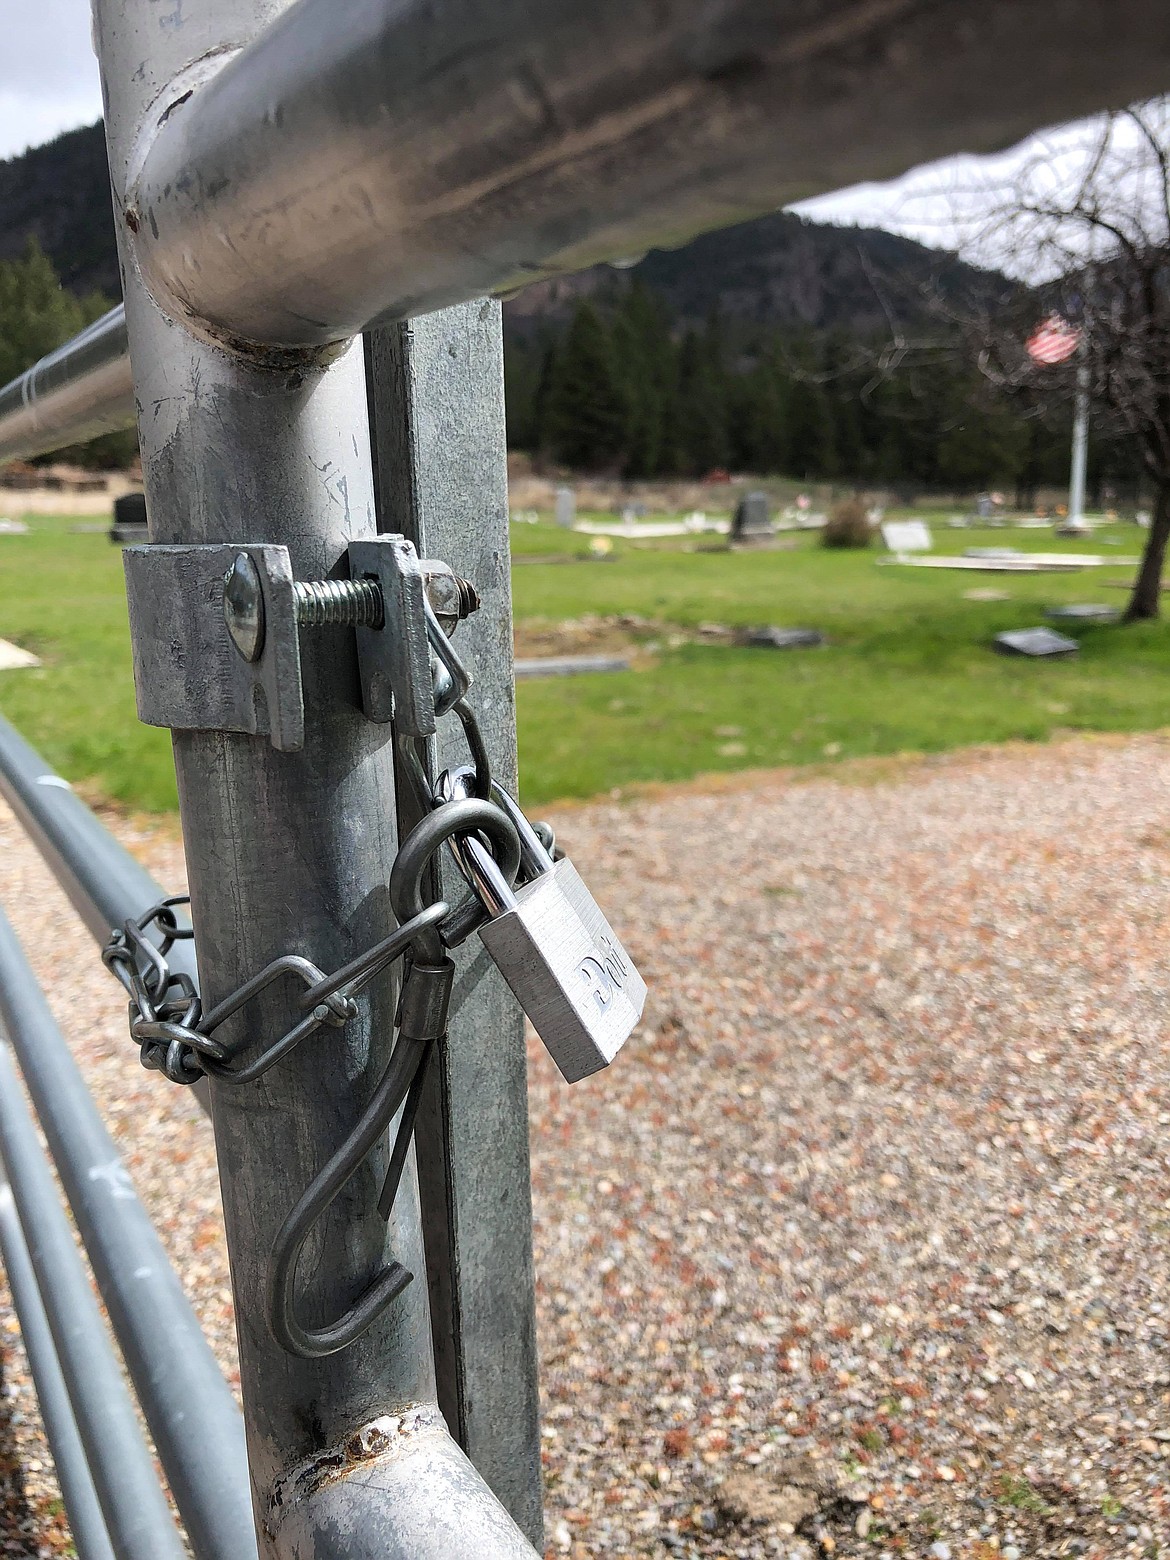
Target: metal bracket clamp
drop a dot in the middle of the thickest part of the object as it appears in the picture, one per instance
(394, 661)
(215, 635)
(189, 673)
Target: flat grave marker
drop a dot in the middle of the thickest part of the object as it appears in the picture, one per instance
(907, 536)
(1035, 642)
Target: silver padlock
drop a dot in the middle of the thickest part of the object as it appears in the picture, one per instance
(554, 947)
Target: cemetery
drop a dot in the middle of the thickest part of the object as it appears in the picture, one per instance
(862, 1250)
(474, 471)
(907, 665)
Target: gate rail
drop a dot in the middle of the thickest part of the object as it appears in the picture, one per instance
(195, 1424)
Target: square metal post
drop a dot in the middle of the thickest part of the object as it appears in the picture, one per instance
(436, 396)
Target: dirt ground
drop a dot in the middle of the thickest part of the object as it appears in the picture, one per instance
(861, 1246)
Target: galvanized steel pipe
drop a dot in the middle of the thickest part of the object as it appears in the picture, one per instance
(290, 852)
(368, 159)
(189, 1407)
(83, 389)
(102, 879)
(133, 1505)
(362, 160)
(86, 1523)
(104, 883)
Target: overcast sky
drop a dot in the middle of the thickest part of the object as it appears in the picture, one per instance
(48, 75)
(49, 83)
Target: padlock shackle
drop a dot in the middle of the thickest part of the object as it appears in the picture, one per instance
(479, 867)
(534, 855)
(448, 821)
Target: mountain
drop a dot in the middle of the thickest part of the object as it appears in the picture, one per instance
(779, 270)
(60, 192)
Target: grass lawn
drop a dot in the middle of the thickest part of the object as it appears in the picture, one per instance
(907, 667)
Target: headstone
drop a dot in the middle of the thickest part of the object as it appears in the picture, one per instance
(129, 519)
(993, 552)
(569, 665)
(566, 507)
(1083, 612)
(12, 657)
(906, 536)
(772, 638)
(13, 528)
(751, 517)
(1035, 642)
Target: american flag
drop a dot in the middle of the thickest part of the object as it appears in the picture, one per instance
(1053, 341)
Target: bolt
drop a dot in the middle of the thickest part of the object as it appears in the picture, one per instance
(452, 599)
(243, 607)
(332, 603)
(339, 603)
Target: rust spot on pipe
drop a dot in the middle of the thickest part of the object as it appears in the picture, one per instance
(390, 1435)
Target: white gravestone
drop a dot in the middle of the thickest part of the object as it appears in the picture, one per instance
(906, 536)
(566, 507)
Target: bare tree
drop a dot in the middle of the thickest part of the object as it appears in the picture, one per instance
(1085, 228)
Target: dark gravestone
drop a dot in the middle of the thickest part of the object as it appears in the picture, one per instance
(129, 519)
(1083, 612)
(1035, 642)
(780, 638)
(751, 521)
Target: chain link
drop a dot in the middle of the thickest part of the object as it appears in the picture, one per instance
(177, 1038)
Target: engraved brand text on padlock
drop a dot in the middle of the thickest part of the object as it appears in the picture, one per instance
(567, 970)
(558, 953)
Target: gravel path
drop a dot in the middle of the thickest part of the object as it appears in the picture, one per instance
(862, 1245)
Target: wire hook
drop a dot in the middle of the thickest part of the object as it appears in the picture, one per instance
(422, 1021)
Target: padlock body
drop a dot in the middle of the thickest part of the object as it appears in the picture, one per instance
(567, 970)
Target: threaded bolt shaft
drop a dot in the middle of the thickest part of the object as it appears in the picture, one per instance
(468, 597)
(339, 603)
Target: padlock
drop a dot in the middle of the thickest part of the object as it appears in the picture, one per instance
(554, 947)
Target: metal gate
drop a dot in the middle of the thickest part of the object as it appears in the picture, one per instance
(313, 203)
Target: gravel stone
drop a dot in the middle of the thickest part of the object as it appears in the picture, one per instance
(878, 1189)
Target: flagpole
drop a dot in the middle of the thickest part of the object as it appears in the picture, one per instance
(1080, 441)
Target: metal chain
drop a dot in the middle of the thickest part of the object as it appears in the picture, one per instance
(177, 1038)
(174, 1034)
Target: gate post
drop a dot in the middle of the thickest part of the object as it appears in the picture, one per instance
(290, 852)
(436, 395)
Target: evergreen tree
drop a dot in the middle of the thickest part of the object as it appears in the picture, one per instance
(811, 434)
(618, 389)
(647, 362)
(984, 442)
(36, 313)
(758, 420)
(702, 404)
(584, 417)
